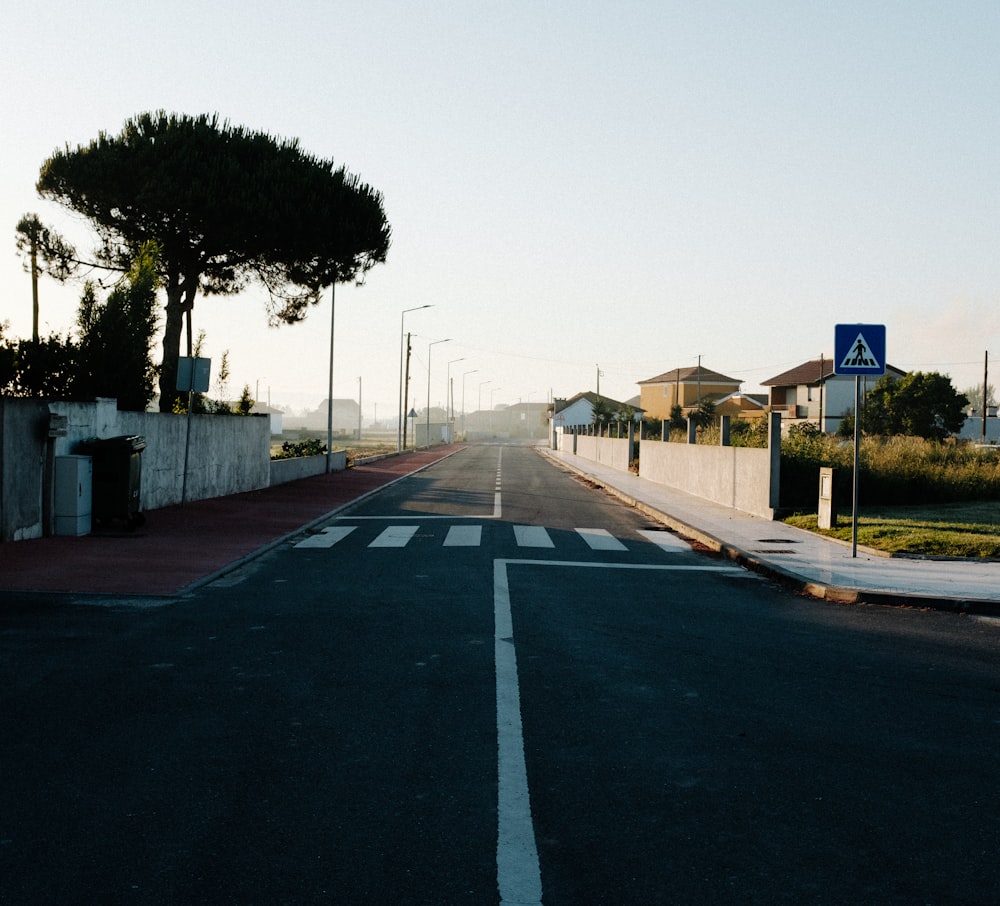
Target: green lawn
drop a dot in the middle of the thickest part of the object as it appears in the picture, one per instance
(942, 530)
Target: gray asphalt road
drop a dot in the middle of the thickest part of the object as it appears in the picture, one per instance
(491, 681)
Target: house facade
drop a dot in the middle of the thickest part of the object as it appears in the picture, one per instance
(812, 392)
(685, 387)
(578, 411)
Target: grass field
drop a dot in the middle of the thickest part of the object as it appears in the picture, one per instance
(941, 530)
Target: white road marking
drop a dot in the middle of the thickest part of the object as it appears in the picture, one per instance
(667, 540)
(464, 536)
(532, 536)
(519, 876)
(395, 536)
(599, 539)
(328, 537)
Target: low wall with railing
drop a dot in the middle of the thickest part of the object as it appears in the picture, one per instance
(744, 478)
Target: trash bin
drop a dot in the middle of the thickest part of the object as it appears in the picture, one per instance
(117, 479)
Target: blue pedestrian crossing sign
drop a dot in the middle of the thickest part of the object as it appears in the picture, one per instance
(859, 349)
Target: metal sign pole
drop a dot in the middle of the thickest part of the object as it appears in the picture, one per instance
(857, 451)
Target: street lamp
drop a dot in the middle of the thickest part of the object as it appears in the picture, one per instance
(429, 345)
(479, 400)
(329, 394)
(399, 423)
(464, 373)
(492, 391)
(447, 390)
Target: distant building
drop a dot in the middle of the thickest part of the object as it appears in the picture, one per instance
(687, 388)
(520, 421)
(578, 411)
(345, 417)
(811, 392)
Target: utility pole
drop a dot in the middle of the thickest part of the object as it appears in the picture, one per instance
(822, 420)
(986, 374)
(406, 387)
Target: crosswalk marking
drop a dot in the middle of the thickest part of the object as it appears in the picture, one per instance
(395, 536)
(599, 539)
(464, 536)
(528, 536)
(532, 536)
(328, 537)
(667, 540)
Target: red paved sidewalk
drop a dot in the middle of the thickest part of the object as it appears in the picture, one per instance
(180, 545)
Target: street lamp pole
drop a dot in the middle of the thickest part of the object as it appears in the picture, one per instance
(479, 400)
(492, 391)
(449, 402)
(401, 413)
(329, 394)
(464, 374)
(429, 345)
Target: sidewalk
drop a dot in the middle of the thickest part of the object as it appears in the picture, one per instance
(181, 547)
(818, 566)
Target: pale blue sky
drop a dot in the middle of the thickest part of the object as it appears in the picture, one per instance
(569, 184)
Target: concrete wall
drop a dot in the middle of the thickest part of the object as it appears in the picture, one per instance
(24, 452)
(744, 478)
(738, 477)
(227, 455)
(609, 451)
(285, 470)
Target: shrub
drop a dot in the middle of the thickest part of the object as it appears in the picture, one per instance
(892, 470)
(290, 450)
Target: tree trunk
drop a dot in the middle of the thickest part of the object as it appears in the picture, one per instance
(171, 351)
(180, 299)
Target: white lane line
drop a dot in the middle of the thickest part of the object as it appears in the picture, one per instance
(328, 537)
(599, 539)
(518, 873)
(464, 536)
(532, 536)
(667, 540)
(395, 536)
(496, 490)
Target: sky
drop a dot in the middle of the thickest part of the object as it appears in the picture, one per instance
(575, 188)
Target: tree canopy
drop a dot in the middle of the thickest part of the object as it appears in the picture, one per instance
(113, 354)
(110, 357)
(920, 404)
(225, 206)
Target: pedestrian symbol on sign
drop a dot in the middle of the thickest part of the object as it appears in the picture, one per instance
(860, 356)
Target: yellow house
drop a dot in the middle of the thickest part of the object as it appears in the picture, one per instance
(684, 387)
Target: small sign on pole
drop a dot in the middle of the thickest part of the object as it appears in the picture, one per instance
(192, 377)
(858, 349)
(193, 374)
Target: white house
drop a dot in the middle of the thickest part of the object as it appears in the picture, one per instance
(811, 392)
(578, 411)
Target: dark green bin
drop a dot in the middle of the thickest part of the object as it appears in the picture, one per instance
(117, 477)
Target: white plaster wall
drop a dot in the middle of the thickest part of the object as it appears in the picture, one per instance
(608, 451)
(738, 477)
(227, 454)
